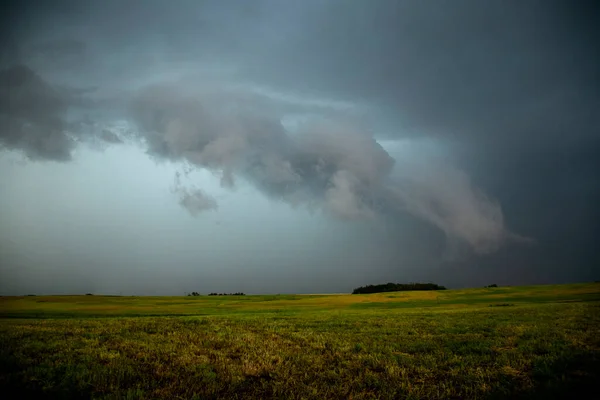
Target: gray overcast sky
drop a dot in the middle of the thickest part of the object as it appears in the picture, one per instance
(271, 146)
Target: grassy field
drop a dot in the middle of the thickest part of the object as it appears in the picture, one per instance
(513, 342)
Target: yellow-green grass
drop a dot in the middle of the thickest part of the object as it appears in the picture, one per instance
(541, 341)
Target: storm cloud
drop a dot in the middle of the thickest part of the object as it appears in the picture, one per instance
(328, 162)
(31, 115)
(478, 120)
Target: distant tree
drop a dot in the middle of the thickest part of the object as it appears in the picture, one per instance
(227, 294)
(396, 287)
(89, 294)
(492, 285)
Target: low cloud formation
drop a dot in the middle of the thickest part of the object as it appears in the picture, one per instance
(110, 137)
(32, 116)
(328, 163)
(325, 162)
(194, 200)
(443, 195)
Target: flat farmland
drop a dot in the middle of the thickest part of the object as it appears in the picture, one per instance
(492, 343)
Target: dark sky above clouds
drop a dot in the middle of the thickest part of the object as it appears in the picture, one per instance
(314, 146)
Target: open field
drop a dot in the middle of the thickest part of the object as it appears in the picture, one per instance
(507, 342)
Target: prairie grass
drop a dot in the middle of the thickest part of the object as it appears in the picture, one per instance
(518, 342)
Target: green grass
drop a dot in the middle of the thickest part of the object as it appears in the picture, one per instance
(529, 342)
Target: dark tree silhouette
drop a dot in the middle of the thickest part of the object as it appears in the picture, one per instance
(396, 287)
(227, 294)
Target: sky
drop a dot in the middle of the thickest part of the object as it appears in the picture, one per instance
(274, 146)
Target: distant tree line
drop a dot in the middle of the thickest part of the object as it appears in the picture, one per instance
(396, 287)
(218, 294)
(227, 294)
(492, 285)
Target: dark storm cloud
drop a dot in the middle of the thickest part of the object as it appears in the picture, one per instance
(470, 69)
(60, 53)
(31, 115)
(327, 163)
(110, 137)
(511, 87)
